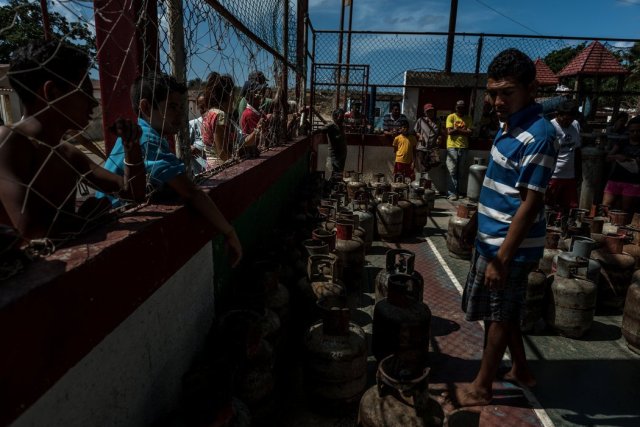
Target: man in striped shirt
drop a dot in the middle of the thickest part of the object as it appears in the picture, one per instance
(510, 222)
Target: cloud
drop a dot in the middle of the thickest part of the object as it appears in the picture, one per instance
(624, 45)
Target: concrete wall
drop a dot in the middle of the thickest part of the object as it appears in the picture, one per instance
(134, 375)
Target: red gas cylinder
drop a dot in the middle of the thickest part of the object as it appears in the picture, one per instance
(457, 247)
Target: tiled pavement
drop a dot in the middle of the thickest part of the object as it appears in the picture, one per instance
(593, 381)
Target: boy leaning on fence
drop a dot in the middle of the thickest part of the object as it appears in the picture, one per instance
(39, 173)
(157, 100)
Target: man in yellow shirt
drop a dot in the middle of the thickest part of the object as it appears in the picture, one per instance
(458, 132)
(404, 145)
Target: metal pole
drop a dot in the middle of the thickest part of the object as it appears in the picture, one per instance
(284, 105)
(177, 61)
(301, 46)
(346, 88)
(46, 24)
(339, 76)
(451, 36)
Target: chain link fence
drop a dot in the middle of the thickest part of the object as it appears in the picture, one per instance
(398, 61)
(199, 42)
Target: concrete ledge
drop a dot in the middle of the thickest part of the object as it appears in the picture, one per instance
(57, 311)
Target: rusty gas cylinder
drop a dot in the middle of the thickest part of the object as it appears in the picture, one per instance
(572, 299)
(380, 186)
(597, 222)
(350, 251)
(631, 315)
(401, 324)
(617, 269)
(407, 211)
(618, 218)
(399, 185)
(348, 216)
(326, 236)
(389, 218)
(322, 279)
(355, 185)
(551, 250)
(336, 356)
(399, 261)
(277, 295)
(534, 300)
(361, 208)
(315, 247)
(400, 398)
(420, 209)
(457, 247)
(429, 193)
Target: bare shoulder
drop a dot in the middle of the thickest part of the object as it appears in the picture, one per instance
(16, 149)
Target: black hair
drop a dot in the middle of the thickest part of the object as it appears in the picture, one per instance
(393, 105)
(39, 61)
(218, 89)
(567, 107)
(634, 121)
(155, 88)
(512, 63)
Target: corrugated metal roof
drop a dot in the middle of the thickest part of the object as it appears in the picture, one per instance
(544, 75)
(594, 60)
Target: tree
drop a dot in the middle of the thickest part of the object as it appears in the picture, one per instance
(557, 59)
(22, 20)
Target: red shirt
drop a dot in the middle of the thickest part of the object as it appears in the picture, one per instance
(249, 120)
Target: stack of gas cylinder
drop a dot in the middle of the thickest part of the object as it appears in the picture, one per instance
(400, 344)
(588, 264)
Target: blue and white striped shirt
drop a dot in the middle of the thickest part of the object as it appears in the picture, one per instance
(522, 157)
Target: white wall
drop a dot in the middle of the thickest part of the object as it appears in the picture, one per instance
(381, 159)
(133, 377)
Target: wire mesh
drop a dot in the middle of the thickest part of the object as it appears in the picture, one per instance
(400, 60)
(142, 30)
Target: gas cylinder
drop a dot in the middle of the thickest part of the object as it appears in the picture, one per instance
(400, 398)
(254, 379)
(617, 269)
(477, 172)
(355, 185)
(361, 206)
(458, 248)
(315, 247)
(582, 247)
(407, 211)
(420, 209)
(551, 250)
(277, 296)
(379, 186)
(631, 315)
(572, 299)
(399, 185)
(347, 176)
(346, 215)
(534, 300)
(399, 261)
(419, 181)
(336, 356)
(320, 281)
(328, 237)
(389, 217)
(401, 324)
(351, 254)
(429, 193)
(618, 218)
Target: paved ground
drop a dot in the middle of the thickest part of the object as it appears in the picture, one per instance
(593, 381)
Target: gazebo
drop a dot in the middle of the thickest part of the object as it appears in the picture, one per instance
(544, 74)
(595, 61)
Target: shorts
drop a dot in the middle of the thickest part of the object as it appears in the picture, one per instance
(626, 189)
(507, 304)
(406, 169)
(562, 192)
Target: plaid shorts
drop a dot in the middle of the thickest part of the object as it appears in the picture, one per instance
(481, 303)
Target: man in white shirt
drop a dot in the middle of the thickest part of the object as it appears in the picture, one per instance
(562, 191)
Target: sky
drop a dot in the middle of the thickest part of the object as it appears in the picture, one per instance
(593, 18)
